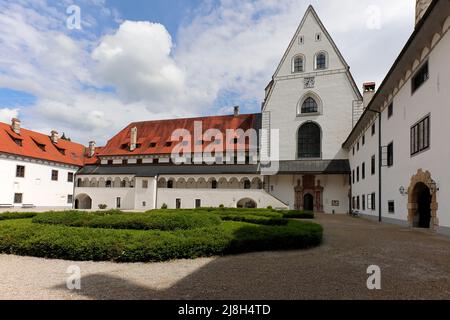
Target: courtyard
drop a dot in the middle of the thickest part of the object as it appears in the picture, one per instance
(414, 265)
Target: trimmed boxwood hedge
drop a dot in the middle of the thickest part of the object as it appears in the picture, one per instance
(22, 237)
(16, 215)
(166, 221)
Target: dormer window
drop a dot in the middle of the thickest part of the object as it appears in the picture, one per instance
(39, 145)
(61, 150)
(124, 146)
(298, 64)
(168, 144)
(153, 145)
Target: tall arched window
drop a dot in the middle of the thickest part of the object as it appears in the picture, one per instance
(298, 64)
(309, 141)
(309, 106)
(321, 61)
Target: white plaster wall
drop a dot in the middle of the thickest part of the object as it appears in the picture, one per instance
(108, 196)
(432, 98)
(335, 121)
(37, 187)
(332, 86)
(310, 48)
(144, 195)
(215, 198)
(336, 187)
(368, 185)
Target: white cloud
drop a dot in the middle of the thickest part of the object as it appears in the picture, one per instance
(136, 60)
(7, 114)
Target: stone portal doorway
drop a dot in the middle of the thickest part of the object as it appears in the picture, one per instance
(422, 202)
(309, 194)
(308, 202)
(422, 218)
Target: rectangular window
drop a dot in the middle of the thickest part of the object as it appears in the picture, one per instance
(363, 170)
(420, 77)
(357, 146)
(390, 154)
(353, 176)
(110, 162)
(198, 203)
(18, 197)
(54, 175)
(20, 172)
(357, 203)
(373, 202)
(373, 165)
(124, 161)
(178, 203)
(363, 140)
(139, 161)
(373, 129)
(420, 136)
(70, 177)
(390, 110)
(144, 184)
(357, 174)
(364, 202)
(118, 202)
(69, 198)
(391, 207)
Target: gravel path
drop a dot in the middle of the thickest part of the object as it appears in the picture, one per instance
(414, 265)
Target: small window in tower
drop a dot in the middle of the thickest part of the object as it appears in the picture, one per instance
(301, 40)
(318, 36)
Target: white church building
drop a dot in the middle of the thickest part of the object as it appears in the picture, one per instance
(381, 154)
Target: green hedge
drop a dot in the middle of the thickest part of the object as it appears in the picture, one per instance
(16, 215)
(22, 237)
(294, 214)
(165, 221)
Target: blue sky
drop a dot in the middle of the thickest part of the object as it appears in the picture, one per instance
(139, 60)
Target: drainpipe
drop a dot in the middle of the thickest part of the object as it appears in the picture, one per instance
(380, 165)
(155, 192)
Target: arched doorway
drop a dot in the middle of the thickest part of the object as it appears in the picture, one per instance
(308, 202)
(83, 201)
(247, 203)
(422, 218)
(422, 201)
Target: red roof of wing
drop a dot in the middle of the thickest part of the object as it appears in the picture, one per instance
(74, 152)
(160, 132)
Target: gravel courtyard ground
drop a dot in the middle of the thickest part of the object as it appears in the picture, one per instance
(414, 265)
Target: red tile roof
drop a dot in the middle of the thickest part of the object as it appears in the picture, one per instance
(160, 133)
(65, 152)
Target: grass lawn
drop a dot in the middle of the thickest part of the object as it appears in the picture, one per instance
(158, 235)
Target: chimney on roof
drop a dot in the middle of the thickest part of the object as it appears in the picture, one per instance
(15, 125)
(133, 142)
(421, 8)
(368, 93)
(54, 136)
(91, 149)
(236, 111)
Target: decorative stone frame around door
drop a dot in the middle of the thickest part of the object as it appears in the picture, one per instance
(425, 178)
(308, 185)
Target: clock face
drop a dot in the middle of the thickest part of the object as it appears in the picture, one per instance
(310, 82)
